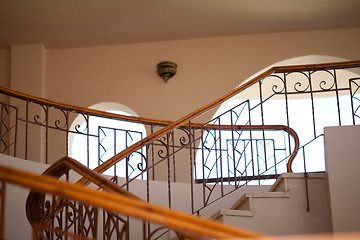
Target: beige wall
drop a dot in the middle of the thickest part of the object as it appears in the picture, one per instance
(5, 67)
(207, 68)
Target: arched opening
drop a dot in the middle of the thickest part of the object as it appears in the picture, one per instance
(97, 139)
(304, 101)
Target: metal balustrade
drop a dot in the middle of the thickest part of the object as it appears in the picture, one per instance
(255, 136)
(62, 210)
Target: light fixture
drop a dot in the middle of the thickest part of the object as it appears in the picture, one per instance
(166, 70)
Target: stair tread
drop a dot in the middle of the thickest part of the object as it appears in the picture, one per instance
(231, 212)
(246, 197)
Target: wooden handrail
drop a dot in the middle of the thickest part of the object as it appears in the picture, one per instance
(69, 107)
(193, 227)
(311, 67)
(169, 124)
(34, 201)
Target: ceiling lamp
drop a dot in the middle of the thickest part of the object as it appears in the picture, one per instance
(166, 70)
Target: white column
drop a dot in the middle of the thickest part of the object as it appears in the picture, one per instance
(342, 145)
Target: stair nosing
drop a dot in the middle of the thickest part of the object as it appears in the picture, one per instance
(232, 212)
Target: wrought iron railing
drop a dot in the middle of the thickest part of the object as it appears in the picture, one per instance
(303, 98)
(36, 128)
(63, 210)
(243, 144)
(33, 127)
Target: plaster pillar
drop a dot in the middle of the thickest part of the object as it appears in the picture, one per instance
(28, 68)
(28, 75)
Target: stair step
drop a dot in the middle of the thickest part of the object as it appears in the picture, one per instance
(230, 212)
(244, 203)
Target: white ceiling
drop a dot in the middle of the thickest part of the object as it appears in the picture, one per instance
(77, 23)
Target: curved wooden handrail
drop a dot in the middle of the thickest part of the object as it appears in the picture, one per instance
(39, 100)
(34, 202)
(69, 107)
(193, 227)
(310, 67)
(169, 125)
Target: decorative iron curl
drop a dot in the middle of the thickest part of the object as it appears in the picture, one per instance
(185, 140)
(77, 127)
(58, 122)
(140, 165)
(323, 84)
(161, 152)
(299, 87)
(275, 86)
(37, 118)
(58, 219)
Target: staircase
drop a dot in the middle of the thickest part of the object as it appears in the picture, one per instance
(215, 164)
(295, 204)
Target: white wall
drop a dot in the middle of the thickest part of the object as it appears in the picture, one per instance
(343, 165)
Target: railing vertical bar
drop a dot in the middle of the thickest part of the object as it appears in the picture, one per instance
(67, 206)
(203, 165)
(257, 159)
(147, 175)
(195, 150)
(16, 131)
(233, 146)
(1, 126)
(195, 154)
(67, 133)
(53, 216)
(306, 182)
(47, 135)
(168, 168)
(251, 141)
(287, 114)
(88, 140)
(262, 120)
(105, 226)
(127, 164)
(228, 161)
(144, 230)
(221, 161)
(142, 158)
(115, 148)
(245, 159)
(216, 155)
(312, 103)
(152, 153)
(173, 156)
(352, 101)
(99, 145)
(337, 96)
(275, 164)
(26, 129)
(191, 145)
